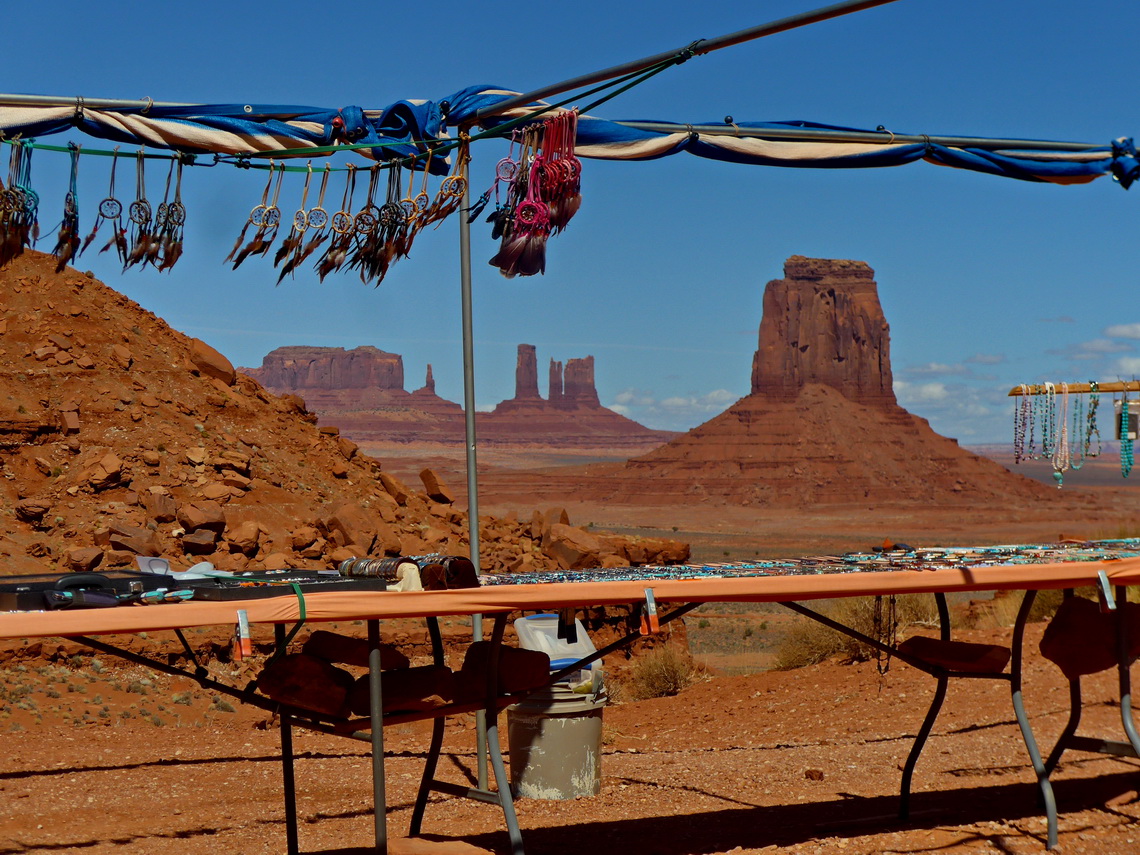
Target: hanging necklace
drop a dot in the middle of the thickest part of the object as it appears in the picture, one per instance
(1078, 441)
(1019, 424)
(1091, 428)
(1031, 426)
(1048, 420)
(1125, 438)
(1061, 457)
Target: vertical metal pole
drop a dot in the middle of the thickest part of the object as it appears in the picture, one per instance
(472, 462)
(288, 781)
(376, 712)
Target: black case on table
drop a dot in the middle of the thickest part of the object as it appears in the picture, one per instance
(276, 583)
(26, 593)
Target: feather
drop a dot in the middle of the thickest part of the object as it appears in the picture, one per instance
(91, 237)
(532, 258)
(310, 247)
(287, 246)
(237, 243)
(506, 259)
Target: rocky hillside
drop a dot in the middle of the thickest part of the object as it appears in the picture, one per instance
(120, 436)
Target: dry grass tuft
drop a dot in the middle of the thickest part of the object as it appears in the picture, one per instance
(659, 673)
(809, 643)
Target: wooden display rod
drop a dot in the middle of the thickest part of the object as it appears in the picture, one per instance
(1076, 388)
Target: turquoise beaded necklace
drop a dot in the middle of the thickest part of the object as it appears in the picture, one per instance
(1125, 439)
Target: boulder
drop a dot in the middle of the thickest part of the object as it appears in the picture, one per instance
(573, 548)
(304, 536)
(106, 473)
(200, 542)
(205, 514)
(32, 510)
(159, 506)
(436, 490)
(245, 537)
(137, 540)
(394, 488)
(278, 561)
(83, 559)
(211, 363)
(353, 524)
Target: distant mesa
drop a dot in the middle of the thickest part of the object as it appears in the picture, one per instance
(361, 391)
(570, 387)
(821, 424)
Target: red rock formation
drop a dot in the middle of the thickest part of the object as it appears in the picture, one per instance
(823, 323)
(526, 374)
(578, 384)
(821, 424)
(331, 368)
(384, 412)
(429, 383)
(555, 389)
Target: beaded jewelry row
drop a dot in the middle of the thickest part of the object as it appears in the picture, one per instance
(1066, 445)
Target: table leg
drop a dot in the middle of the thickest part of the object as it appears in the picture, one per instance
(1123, 669)
(289, 786)
(919, 744)
(376, 707)
(1046, 788)
(436, 744)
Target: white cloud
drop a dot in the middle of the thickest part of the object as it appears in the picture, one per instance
(677, 412)
(1095, 348)
(1128, 365)
(1123, 331)
(937, 368)
(987, 359)
(918, 393)
(1104, 345)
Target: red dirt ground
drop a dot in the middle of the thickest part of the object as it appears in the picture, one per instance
(109, 758)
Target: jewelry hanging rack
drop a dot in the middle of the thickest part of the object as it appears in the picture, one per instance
(1076, 388)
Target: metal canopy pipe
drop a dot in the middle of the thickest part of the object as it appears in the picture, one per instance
(887, 137)
(697, 48)
(93, 103)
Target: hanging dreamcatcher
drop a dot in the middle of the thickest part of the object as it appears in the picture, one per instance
(170, 221)
(67, 235)
(342, 226)
(19, 205)
(110, 210)
(266, 216)
(315, 220)
(544, 193)
(140, 214)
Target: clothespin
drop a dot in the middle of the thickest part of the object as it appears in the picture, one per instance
(1104, 593)
(568, 625)
(243, 643)
(649, 622)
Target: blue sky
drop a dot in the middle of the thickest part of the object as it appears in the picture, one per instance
(986, 282)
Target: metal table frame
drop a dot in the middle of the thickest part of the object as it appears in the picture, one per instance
(371, 729)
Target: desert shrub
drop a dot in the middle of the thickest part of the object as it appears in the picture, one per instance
(1002, 609)
(659, 673)
(809, 642)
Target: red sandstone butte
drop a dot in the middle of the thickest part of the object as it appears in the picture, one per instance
(361, 392)
(821, 425)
